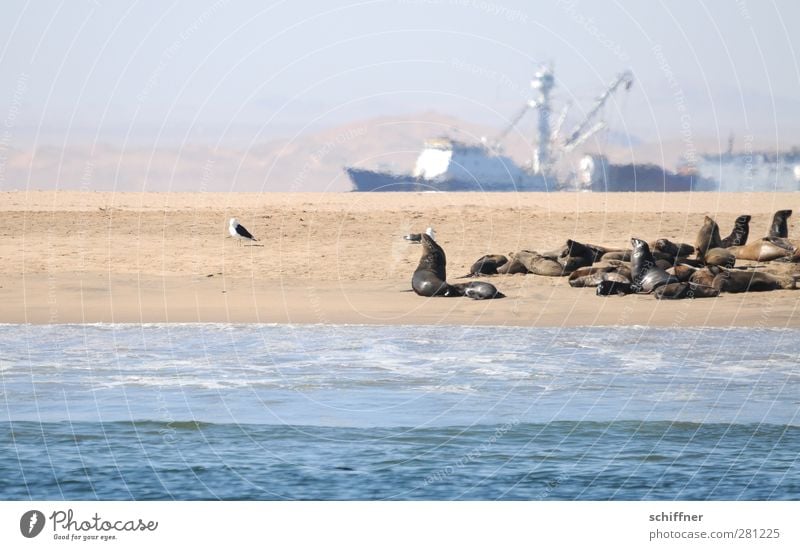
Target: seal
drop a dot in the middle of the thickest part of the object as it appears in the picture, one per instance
(720, 256)
(514, 265)
(707, 237)
(478, 290)
(780, 226)
(673, 250)
(557, 263)
(608, 288)
(646, 276)
(578, 255)
(613, 270)
(734, 281)
(683, 272)
(764, 250)
(539, 264)
(705, 276)
(682, 291)
(621, 255)
(741, 230)
(430, 277)
(486, 265)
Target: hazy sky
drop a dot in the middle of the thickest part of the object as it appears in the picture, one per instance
(242, 71)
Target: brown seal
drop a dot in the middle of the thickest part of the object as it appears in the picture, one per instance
(673, 250)
(705, 276)
(683, 291)
(707, 237)
(751, 281)
(764, 250)
(682, 272)
(592, 276)
(539, 264)
(514, 266)
(719, 256)
(621, 255)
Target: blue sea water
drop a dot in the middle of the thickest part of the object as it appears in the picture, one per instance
(221, 411)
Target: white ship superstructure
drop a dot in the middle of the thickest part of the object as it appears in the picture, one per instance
(444, 160)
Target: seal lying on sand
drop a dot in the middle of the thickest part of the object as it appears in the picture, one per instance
(765, 250)
(682, 291)
(780, 227)
(741, 230)
(478, 290)
(613, 270)
(719, 256)
(430, 277)
(528, 261)
(673, 250)
(514, 265)
(751, 281)
(486, 265)
(556, 263)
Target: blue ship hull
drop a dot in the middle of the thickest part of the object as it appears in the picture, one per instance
(371, 181)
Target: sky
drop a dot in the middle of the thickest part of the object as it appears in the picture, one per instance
(228, 73)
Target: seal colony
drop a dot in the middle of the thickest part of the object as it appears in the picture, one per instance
(663, 268)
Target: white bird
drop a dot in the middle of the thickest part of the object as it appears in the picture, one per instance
(239, 232)
(416, 237)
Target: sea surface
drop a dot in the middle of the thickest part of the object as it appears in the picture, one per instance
(266, 412)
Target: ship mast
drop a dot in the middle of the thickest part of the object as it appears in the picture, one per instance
(543, 83)
(548, 139)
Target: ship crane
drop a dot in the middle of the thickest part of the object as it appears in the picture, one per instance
(586, 129)
(510, 126)
(548, 139)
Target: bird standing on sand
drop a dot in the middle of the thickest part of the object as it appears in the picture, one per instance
(239, 232)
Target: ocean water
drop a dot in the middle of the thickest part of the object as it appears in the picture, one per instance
(221, 411)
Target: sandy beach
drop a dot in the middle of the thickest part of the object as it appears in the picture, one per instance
(85, 257)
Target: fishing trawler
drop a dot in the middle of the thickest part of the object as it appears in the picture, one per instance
(446, 164)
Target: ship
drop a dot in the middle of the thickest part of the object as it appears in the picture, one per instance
(750, 170)
(446, 164)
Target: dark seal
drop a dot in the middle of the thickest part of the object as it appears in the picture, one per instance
(646, 276)
(741, 230)
(430, 277)
(486, 265)
(780, 226)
